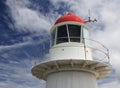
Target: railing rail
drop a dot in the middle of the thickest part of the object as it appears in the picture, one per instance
(99, 51)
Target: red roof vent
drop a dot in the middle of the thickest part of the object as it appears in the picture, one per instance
(70, 17)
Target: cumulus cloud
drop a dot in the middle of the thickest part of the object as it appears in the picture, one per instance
(27, 19)
(109, 35)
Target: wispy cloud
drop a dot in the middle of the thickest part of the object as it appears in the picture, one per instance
(110, 85)
(18, 74)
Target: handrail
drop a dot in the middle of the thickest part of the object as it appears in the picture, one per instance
(104, 50)
(101, 52)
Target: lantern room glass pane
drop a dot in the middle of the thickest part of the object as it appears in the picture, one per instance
(53, 37)
(62, 35)
(86, 36)
(74, 32)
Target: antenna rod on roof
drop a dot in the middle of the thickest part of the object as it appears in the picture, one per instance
(89, 15)
(66, 12)
(89, 18)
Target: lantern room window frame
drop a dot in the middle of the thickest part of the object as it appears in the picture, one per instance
(55, 31)
(62, 34)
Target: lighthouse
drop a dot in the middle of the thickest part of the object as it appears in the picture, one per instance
(72, 62)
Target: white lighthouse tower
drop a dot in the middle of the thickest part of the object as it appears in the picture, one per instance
(72, 63)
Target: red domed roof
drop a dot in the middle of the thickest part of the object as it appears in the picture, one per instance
(70, 17)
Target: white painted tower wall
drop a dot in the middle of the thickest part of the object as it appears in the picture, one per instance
(70, 51)
(71, 79)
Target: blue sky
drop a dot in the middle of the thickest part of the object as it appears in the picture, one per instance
(25, 25)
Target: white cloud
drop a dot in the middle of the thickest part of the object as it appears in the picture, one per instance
(3, 47)
(26, 19)
(31, 20)
(10, 84)
(17, 76)
(23, 44)
(112, 84)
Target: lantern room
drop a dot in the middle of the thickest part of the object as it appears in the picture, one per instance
(68, 35)
(69, 28)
